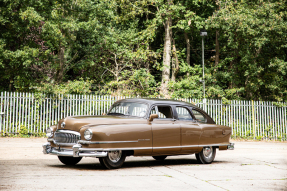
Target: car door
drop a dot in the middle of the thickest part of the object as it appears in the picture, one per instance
(165, 130)
(190, 129)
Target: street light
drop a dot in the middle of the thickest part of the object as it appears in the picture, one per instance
(203, 33)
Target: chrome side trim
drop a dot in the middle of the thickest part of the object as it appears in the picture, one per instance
(114, 149)
(143, 148)
(64, 144)
(103, 142)
(214, 145)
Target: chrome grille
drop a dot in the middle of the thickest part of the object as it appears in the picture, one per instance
(66, 137)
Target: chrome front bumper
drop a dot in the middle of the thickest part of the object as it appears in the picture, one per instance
(230, 146)
(76, 151)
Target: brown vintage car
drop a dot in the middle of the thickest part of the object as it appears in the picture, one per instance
(138, 127)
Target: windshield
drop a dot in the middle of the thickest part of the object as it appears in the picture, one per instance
(128, 108)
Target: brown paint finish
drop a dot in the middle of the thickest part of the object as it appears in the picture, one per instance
(130, 135)
(168, 136)
(74, 123)
(190, 134)
(214, 134)
(222, 148)
(166, 133)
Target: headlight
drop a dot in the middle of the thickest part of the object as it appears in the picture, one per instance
(88, 134)
(49, 132)
(63, 125)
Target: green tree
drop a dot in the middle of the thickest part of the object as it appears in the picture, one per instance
(253, 38)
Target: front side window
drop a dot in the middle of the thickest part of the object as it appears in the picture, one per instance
(199, 116)
(162, 111)
(128, 108)
(153, 110)
(183, 113)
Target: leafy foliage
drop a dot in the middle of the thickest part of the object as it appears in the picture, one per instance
(134, 83)
(81, 87)
(23, 132)
(117, 46)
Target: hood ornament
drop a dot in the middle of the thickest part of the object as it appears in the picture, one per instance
(63, 125)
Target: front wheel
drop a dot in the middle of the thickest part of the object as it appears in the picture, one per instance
(115, 159)
(69, 160)
(206, 155)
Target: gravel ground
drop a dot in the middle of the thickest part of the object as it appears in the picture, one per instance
(251, 166)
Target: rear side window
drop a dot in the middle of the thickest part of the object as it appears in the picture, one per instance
(199, 116)
(183, 113)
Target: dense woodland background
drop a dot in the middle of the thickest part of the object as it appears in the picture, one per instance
(145, 47)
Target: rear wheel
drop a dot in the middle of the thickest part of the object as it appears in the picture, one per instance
(69, 160)
(115, 159)
(206, 155)
(159, 157)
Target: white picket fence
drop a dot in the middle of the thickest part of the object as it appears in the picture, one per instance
(37, 112)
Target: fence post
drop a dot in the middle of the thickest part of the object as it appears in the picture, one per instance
(253, 118)
(1, 122)
(1, 98)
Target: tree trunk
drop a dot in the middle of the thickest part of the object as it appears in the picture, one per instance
(187, 50)
(62, 61)
(216, 40)
(216, 49)
(172, 69)
(175, 63)
(166, 56)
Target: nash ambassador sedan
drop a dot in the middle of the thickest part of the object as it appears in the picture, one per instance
(138, 127)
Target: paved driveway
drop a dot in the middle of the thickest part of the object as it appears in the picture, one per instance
(251, 166)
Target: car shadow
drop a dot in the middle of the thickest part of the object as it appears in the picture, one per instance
(133, 164)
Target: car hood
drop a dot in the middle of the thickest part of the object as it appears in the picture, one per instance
(75, 123)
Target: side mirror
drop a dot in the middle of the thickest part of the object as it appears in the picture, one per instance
(153, 116)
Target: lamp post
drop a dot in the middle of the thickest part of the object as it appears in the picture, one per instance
(203, 33)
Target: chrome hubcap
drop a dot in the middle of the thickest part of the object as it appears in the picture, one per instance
(207, 152)
(115, 156)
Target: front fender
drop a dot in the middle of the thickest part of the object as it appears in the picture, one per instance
(118, 136)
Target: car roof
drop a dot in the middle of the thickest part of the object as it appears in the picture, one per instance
(152, 101)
